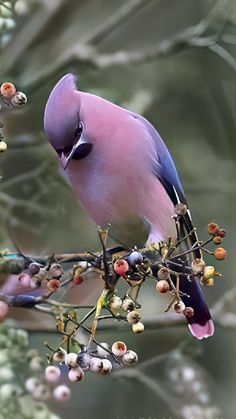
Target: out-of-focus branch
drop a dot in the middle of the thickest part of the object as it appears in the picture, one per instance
(86, 53)
(220, 310)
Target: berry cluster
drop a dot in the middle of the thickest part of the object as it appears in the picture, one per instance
(16, 393)
(12, 98)
(100, 361)
(42, 276)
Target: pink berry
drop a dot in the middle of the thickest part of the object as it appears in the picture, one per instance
(119, 348)
(7, 89)
(76, 374)
(121, 266)
(162, 286)
(3, 310)
(62, 393)
(188, 312)
(52, 374)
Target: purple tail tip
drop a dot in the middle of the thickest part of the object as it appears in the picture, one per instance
(201, 331)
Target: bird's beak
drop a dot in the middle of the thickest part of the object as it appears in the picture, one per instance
(79, 150)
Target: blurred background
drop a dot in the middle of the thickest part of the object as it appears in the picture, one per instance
(173, 62)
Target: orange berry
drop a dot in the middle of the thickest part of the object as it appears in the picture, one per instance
(53, 284)
(220, 253)
(7, 90)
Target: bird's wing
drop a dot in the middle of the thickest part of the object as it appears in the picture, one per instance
(164, 168)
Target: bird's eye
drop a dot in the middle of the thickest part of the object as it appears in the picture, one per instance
(79, 129)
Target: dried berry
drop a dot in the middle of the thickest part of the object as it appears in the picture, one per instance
(19, 99)
(179, 306)
(163, 273)
(133, 317)
(128, 304)
(56, 270)
(115, 302)
(198, 265)
(181, 209)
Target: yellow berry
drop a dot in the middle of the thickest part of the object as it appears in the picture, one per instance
(217, 239)
(209, 272)
(3, 146)
(210, 282)
(138, 327)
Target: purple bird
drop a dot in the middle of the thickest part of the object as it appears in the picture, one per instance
(122, 173)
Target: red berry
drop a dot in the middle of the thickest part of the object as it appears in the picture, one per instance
(162, 286)
(121, 266)
(212, 228)
(53, 284)
(188, 312)
(78, 279)
(221, 232)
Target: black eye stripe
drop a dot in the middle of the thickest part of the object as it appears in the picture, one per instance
(77, 135)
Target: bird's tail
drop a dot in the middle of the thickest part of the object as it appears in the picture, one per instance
(200, 324)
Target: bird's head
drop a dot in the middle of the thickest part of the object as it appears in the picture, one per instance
(62, 123)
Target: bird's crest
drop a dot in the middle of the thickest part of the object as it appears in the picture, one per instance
(62, 109)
